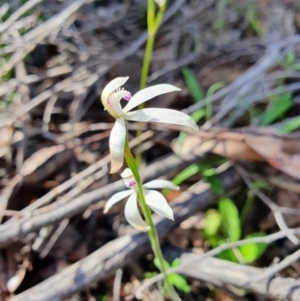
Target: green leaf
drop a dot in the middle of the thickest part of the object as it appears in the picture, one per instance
(290, 58)
(291, 126)
(280, 105)
(192, 84)
(175, 263)
(212, 89)
(253, 251)
(175, 279)
(211, 177)
(260, 184)
(230, 219)
(179, 282)
(185, 174)
(228, 255)
(253, 18)
(296, 67)
(104, 298)
(197, 94)
(157, 264)
(149, 275)
(197, 115)
(212, 223)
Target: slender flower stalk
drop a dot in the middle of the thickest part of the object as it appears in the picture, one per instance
(119, 149)
(153, 23)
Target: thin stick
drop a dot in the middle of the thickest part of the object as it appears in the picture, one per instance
(276, 209)
(270, 272)
(62, 226)
(117, 285)
(17, 14)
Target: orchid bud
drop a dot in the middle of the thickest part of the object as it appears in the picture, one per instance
(161, 3)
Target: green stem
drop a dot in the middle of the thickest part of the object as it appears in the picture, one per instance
(159, 17)
(150, 14)
(147, 59)
(152, 233)
(153, 23)
(143, 84)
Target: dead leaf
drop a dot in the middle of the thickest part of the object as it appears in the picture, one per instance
(249, 144)
(230, 146)
(278, 152)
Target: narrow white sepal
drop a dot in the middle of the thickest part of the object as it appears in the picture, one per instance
(156, 201)
(112, 86)
(162, 115)
(116, 145)
(133, 215)
(148, 93)
(117, 197)
(160, 184)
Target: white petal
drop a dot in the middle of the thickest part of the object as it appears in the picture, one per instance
(117, 197)
(162, 115)
(116, 145)
(156, 201)
(133, 215)
(160, 184)
(112, 86)
(148, 93)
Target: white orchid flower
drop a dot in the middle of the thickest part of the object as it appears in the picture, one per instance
(154, 199)
(111, 97)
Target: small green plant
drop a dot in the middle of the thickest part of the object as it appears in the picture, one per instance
(279, 105)
(176, 280)
(289, 61)
(3, 61)
(252, 16)
(103, 298)
(219, 23)
(291, 125)
(207, 172)
(198, 95)
(224, 225)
